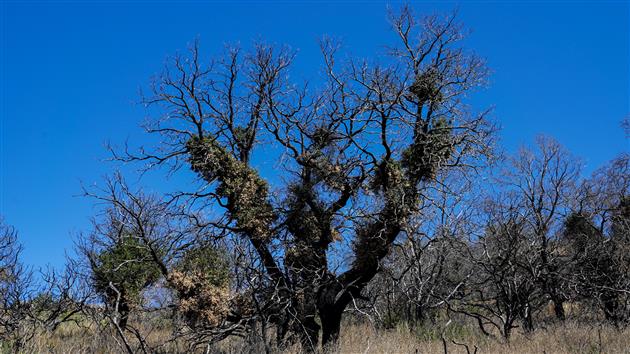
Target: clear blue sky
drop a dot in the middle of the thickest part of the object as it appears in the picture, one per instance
(71, 74)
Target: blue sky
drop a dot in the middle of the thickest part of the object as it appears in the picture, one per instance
(71, 73)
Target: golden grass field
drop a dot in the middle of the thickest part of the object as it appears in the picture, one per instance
(570, 337)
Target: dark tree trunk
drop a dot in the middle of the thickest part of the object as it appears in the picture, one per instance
(610, 307)
(528, 323)
(558, 308)
(420, 315)
(331, 303)
(309, 333)
(123, 310)
(331, 324)
(507, 331)
(282, 330)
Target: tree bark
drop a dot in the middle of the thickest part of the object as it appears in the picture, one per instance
(331, 325)
(558, 308)
(309, 333)
(528, 323)
(123, 310)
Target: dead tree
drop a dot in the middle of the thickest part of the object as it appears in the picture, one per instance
(544, 180)
(502, 290)
(16, 291)
(356, 155)
(429, 266)
(597, 235)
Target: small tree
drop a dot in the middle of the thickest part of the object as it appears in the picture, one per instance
(120, 273)
(543, 182)
(596, 235)
(133, 239)
(28, 306)
(16, 287)
(599, 265)
(502, 288)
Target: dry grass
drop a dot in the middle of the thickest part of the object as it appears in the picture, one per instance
(569, 338)
(364, 338)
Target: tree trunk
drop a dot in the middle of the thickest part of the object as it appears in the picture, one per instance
(331, 324)
(331, 303)
(123, 310)
(610, 309)
(528, 323)
(558, 308)
(507, 330)
(309, 333)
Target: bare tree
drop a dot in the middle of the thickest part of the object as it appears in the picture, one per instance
(418, 278)
(544, 182)
(356, 155)
(502, 288)
(429, 266)
(16, 288)
(61, 298)
(596, 234)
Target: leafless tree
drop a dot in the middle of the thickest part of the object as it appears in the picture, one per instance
(30, 305)
(502, 290)
(545, 181)
(597, 237)
(356, 155)
(429, 266)
(16, 289)
(61, 297)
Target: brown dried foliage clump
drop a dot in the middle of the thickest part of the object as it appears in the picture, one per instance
(200, 302)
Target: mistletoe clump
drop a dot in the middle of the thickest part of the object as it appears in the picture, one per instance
(426, 87)
(428, 152)
(245, 191)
